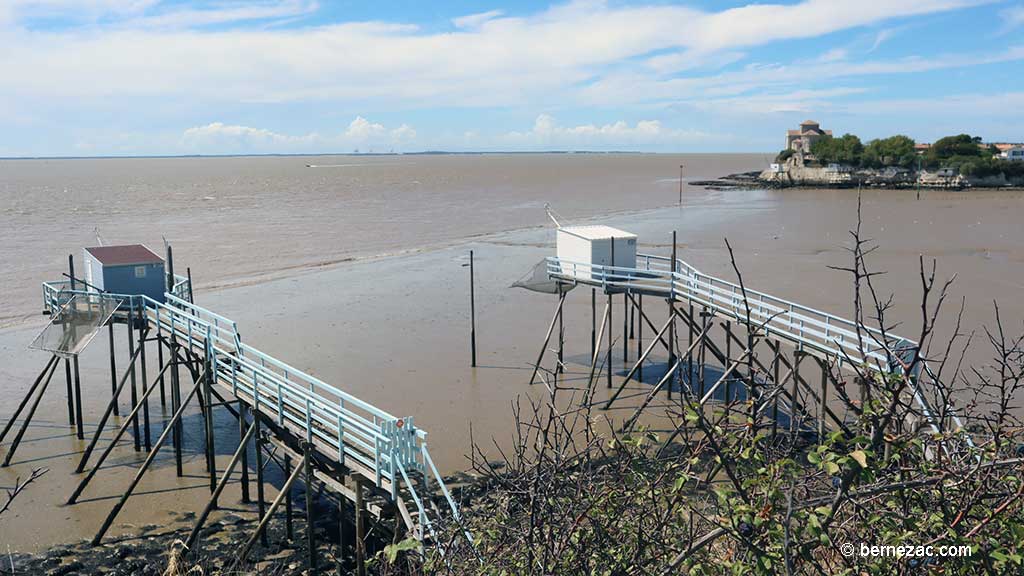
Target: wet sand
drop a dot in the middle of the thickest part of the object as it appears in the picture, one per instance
(394, 330)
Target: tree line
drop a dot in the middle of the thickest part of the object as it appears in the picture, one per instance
(964, 153)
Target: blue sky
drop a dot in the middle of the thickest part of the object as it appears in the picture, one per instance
(137, 77)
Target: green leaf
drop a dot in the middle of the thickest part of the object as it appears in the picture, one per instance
(392, 550)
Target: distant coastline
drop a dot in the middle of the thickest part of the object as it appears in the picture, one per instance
(359, 154)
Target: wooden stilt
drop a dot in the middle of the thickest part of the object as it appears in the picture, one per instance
(360, 534)
(261, 529)
(640, 336)
(689, 357)
(593, 362)
(593, 321)
(103, 420)
(260, 500)
(629, 375)
(610, 330)
(340, 558)
(211, 451)
(242, 426)
(212, 503)
(79, 427)
(798, 355)
(728, 357)
(561, 333)
(51, 367)
(71, 392)
(31, 390)
(547, 339)
(625, 330)
(113, 365)
(143, 331)
(288, 528)
(106, 451)
(131, 371)
(160, 361)
(145, 466)
(307, 461)
(824, 399)
(775, 400)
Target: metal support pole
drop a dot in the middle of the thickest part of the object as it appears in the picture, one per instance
(798, 355)
(310, 512)
(191, 294)
(824, 399)
(113, 366)
(547, 339)
(689, 357)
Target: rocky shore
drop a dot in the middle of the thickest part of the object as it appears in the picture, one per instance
(833, 177)
(157, 551)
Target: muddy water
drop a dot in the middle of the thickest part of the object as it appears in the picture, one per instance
(394, 330)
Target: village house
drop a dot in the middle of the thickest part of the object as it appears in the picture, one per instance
(801, 140)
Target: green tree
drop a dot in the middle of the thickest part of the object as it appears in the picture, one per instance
(845, 150)
(892, 151)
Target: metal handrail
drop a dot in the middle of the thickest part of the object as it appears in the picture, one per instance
(390, 447)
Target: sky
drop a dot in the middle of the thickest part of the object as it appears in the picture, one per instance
(170, 77)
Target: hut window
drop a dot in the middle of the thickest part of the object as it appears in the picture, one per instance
(140, 271)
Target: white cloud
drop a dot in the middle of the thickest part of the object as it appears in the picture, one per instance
(547, 133)
(218, 137)
(503, 61)
(475, 20)
(1013, 17)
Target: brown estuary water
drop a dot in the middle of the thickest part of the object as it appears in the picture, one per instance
(351, 267)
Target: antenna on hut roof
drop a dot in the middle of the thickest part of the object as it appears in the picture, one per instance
(99, 240)
(551, 214)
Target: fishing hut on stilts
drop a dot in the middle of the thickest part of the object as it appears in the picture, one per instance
(363, 457)
(726, 344)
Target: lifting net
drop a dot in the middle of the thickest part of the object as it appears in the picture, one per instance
(72, 328)
(538, 280)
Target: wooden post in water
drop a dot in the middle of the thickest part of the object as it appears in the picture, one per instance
(680, 193)
(191, 294)
(472, 312)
